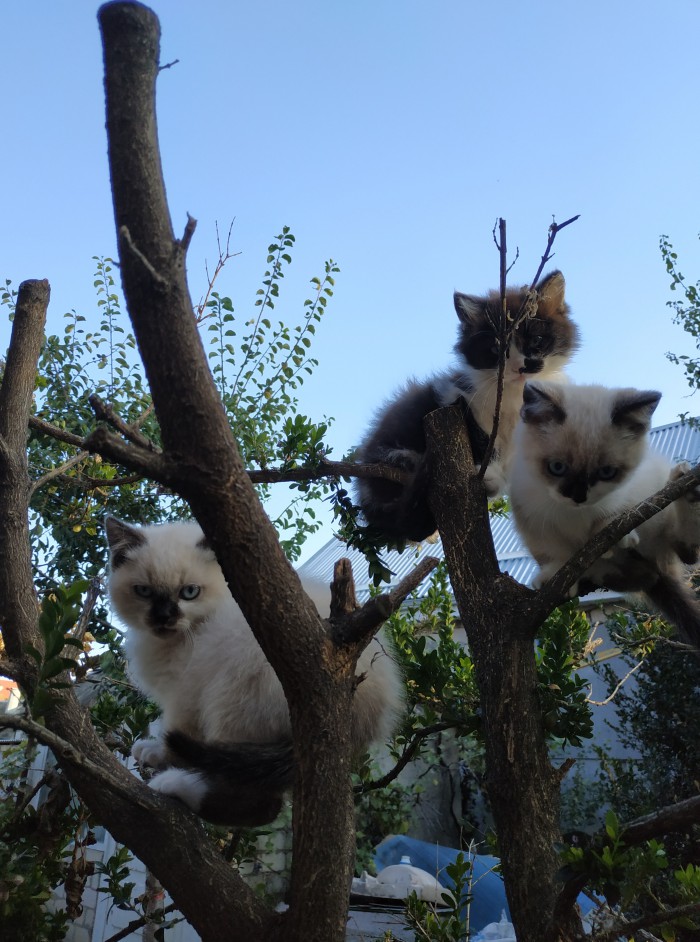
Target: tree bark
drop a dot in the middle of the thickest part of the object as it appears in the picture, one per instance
(501, 621)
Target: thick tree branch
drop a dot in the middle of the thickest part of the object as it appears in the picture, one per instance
(209, 473)
(18, 603)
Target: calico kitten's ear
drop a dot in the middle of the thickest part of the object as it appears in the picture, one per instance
(633, 409)
(121, 537)
(469, 308)
(540, 406)
(551, 291)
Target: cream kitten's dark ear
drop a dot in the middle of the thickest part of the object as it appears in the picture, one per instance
(469, 308)
(540, 406)
(551, 291)
(121, 537)
(633, 409)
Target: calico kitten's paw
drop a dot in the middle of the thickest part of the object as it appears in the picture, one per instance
(150, 752)
(188, 787)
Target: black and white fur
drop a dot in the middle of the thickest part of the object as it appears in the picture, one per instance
(542, 345)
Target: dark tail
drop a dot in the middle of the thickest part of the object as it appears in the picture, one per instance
(679, 605)
(267, 765)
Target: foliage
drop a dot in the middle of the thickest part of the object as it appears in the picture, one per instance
(35, 847)
(449, 923)
(563, 692)
(259, 366)
(686, 311)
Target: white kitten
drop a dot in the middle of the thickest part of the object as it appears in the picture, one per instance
(581, 457)
(224, 712)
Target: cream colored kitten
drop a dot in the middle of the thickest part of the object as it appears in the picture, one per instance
(581, 457)
(224, 712)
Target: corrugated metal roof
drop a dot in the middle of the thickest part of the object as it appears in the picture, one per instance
(679, 441)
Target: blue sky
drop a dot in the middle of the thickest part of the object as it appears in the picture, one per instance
(389, 136)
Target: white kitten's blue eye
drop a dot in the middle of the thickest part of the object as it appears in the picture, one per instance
(557, 468)
(189, 592)
(143, 591)
(607, 472)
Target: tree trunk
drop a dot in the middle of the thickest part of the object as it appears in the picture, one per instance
(501, 622)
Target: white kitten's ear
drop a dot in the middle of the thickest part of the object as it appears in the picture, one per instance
(469, 308)
(540, 406)
(551, 291)
(121, 537)
(633, 409)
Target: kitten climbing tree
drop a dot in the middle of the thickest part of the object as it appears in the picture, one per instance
(199, 460)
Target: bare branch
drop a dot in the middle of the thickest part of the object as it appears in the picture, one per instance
(364, 622)
(56, 472)
(554, 229)
(65, 750)
(105, 412)
(627, 929)
(148, 463)
(60, 434)
(407, 755)
(343, 597)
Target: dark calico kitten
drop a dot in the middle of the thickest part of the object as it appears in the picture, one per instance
(541, 345)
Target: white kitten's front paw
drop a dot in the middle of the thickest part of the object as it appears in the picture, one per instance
(692, 496)
(188, 787)
(627, 542)
(494, 480)
(545, 574)
(150, 752)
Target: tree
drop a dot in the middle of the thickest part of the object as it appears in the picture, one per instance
(197, 458)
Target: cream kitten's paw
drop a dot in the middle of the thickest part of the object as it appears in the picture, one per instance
(150, 752)
(188, 787)
(692, 496)
(545, 574)
(494, 480)
(627, 542)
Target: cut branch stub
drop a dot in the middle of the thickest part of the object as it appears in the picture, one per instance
(343, 596)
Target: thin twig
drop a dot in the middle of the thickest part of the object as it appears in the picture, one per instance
(406, 756)
(627, 929)
(56, 472)
(137, 923)
(554, 229)
(125, 236)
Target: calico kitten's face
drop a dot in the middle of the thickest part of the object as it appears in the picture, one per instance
(550, 335)
(163, 579)
(583, 441)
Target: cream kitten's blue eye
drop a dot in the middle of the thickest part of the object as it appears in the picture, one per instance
(143, 591)
(607, 472)
(557, 468)
(189, 592)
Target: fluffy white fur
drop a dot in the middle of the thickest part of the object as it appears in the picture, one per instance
(593, 431)
(199, 661)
